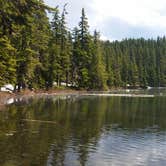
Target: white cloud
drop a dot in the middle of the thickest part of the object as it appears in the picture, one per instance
(146, 14)
(134, 12)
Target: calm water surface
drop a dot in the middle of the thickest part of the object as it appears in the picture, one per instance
(84, 130)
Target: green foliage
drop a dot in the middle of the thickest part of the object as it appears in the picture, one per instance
(7, 61)
(137, 62)
(60, 50)
(82, 53)
(36, 53)
(98, 72)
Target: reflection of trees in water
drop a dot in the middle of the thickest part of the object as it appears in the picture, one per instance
(78, 129)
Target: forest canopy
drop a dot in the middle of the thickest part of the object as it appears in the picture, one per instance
(36, 52)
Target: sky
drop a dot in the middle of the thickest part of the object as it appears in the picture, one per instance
(118, 19)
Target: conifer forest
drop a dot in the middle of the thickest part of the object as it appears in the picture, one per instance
(37, 51)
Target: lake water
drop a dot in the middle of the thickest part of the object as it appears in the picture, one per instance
(92, 130)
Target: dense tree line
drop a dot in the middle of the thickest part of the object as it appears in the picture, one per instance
(137, 62)
(37, 53)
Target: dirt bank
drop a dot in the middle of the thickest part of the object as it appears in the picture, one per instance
(4, 96)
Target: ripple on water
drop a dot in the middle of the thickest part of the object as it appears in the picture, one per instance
(130, 149)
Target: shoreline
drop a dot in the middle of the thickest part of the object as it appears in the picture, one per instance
(7, 98)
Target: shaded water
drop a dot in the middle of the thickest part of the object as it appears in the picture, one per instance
(84, 130)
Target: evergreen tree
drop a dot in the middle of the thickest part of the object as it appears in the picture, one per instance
(36, 53)
(7, 62)
(65, 48)
(84, 53)
(98, 77)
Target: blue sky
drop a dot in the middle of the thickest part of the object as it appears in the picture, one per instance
(119, 19)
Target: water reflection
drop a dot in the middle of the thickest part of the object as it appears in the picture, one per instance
(88, 131)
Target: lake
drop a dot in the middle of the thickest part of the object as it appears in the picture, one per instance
(80, 130)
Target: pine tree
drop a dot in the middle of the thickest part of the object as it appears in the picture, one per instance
(97, 73)
(65, 48)
(7, 62)
(84, 54)
(35, 53)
